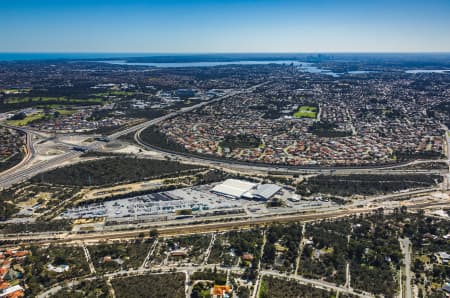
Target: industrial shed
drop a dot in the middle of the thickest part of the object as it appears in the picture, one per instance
(233, 188)
(263, 191)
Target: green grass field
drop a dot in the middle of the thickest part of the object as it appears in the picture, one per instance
(26, 120)
(115, 92)
(65, 112)
(16, 100)
(306, 112)
(15, 91)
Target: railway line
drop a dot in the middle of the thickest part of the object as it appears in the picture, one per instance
(201, 228)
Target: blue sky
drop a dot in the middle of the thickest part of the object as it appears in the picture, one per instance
(207, 26)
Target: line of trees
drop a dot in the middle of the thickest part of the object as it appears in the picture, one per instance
(366, 184)
(112, 170)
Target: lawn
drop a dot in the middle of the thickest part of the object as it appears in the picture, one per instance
(16, 100)
(26, 120)
(65, 112)
(121, 92)
(38, 116)
(306, 112)
(15, 91)
(115, 92)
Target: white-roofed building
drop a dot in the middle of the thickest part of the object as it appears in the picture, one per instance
(263, 192)
(233, 188)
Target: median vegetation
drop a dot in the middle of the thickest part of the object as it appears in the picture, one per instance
(154, 137)
(366, 184)
(110, 171)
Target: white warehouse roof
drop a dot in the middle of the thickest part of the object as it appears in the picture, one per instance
(265, 191)
(243, 189)
(233, 188)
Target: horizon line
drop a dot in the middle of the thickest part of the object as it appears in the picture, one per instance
(231, 52)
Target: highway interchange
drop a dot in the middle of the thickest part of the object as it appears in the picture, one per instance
(26, 170)
(29, 167)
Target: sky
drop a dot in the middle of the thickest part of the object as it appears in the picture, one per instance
(207, 26)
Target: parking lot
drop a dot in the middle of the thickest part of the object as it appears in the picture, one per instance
(197, 199)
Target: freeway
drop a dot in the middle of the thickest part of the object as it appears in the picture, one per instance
(279, 169)
(29, 149)
(27, 171)
(24, 173)
(26, 130)
(212, 161)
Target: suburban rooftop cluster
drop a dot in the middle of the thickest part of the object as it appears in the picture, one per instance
(368, 121)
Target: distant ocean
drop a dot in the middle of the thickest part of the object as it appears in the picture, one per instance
(412, 62)
(156, 57)
(224, 57)
(66, 56)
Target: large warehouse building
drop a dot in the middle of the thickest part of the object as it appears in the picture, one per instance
(233, 188)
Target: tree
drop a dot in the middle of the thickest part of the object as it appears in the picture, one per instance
(154, 233)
